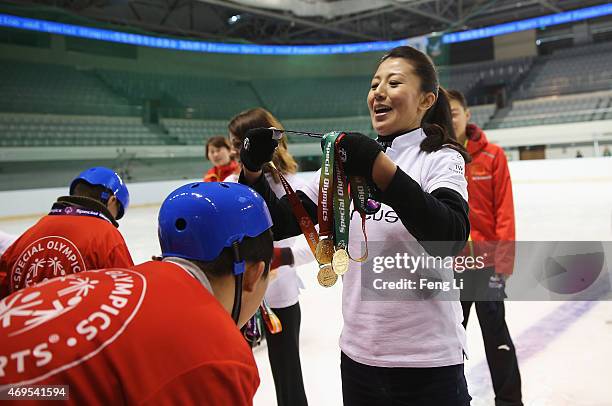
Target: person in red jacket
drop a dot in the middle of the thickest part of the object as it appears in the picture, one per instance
(492, 239)
(218, 151)
(79, 233)
(160, 333)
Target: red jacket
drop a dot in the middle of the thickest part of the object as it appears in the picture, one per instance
(490, 200)
(218, 173)
(61, 245)
(150, 335)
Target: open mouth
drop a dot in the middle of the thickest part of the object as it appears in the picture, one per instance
(381, 110)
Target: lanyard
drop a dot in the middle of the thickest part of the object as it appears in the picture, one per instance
(326, 186)
(306, 224)
(326, 275)
(59, 209)
(364, 203)
(325, 248)
(342, 216)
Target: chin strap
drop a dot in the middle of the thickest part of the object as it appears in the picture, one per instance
(239, 268)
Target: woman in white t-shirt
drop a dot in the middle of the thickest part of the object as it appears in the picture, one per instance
(395, 352)
(283, 291)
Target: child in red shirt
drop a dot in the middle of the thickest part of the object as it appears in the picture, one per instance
(164, 332)
(79, 233)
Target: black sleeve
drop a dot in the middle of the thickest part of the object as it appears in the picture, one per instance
(285, 223)
(438, 220)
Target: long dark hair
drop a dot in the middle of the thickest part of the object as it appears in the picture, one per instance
(437, 122)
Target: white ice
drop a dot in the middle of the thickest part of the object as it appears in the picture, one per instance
(570, 368)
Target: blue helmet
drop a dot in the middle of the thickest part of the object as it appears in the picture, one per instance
(198, 220)
(101, 176)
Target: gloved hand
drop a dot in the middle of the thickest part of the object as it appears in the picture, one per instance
(358, 153)
(257, 148)
(282, 256)
(497, 287)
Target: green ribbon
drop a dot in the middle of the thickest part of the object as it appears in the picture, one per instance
(326, 185)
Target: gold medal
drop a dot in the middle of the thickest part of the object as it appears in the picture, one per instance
(340, 262)
(326, 276)
(324, 251)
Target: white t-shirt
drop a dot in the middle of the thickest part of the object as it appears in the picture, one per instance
(415, 334)
(284, 290)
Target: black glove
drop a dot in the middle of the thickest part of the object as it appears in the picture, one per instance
(258, 148)
(358, 153)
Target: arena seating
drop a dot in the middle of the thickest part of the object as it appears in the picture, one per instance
(57, 105)
(556, 110)
(33, 130)
(573, 70)
(54, 89)
(195, 131)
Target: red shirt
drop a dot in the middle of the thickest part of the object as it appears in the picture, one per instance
(218, 173)
(59, 245)
(150, 334)
(490, 200)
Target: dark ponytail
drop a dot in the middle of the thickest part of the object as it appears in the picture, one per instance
(437, 122)
(438, 126)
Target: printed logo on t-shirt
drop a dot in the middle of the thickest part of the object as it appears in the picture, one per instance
(457, 164)
(388, 216)
(64, 322)
(46, 258)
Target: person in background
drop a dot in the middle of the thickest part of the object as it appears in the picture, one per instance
(284, 289)
(492, 236)
(79, 233)
(607, 152)
(165, 332)
(218, 152)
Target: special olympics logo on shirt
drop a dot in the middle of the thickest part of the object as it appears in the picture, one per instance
(64, 322)
(45, 258)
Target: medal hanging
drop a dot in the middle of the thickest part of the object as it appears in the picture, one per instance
(342, 217)
(326, 277)
(325, 248)
(330, 246)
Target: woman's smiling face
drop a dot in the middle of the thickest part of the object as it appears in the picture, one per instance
(395, 100)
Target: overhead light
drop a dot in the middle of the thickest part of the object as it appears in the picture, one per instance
(234, 19)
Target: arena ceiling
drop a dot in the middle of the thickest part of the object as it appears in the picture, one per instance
(307, 21)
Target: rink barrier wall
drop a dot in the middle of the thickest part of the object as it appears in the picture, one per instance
(36, 202)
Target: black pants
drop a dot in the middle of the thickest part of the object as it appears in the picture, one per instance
(364, 385)
(499, 348)
(284, 355)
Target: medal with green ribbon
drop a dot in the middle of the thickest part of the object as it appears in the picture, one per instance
(330, 246)
(342, 216)
(325, 248)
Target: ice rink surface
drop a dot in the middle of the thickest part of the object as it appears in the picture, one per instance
(564, 348)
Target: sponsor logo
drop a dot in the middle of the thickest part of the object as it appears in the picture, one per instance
(388, 216)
